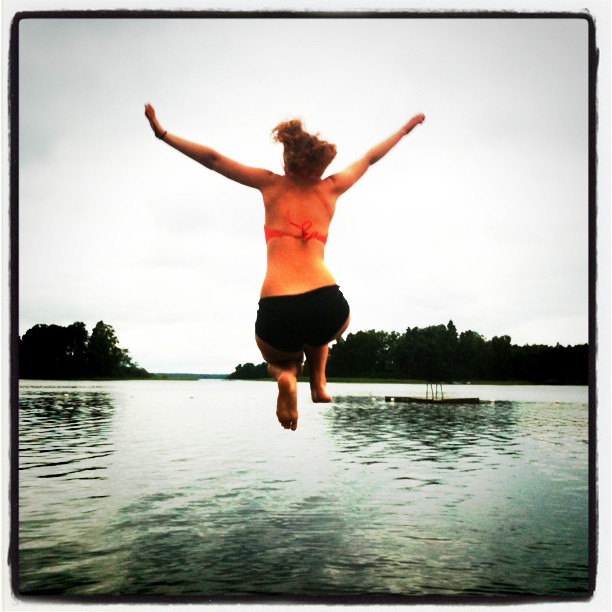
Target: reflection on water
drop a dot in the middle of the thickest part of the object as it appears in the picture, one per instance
(65, 449)
(437, 431)
(473, 492)
(64, 434)
(192, 489)
(216, 547)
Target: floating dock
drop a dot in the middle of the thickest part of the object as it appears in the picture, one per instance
(437, 397)
(431, 400)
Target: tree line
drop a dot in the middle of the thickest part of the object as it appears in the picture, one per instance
(439, 353)
(57, 352)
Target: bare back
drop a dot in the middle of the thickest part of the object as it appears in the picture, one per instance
(296, 265)
(295, 258)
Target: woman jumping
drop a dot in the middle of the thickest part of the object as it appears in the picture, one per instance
(301, 308)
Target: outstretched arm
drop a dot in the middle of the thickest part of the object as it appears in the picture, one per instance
(342, 181)
(245, 175)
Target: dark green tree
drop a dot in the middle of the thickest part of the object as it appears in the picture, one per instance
(104, 355)
(438, 354)
(43, 352)
(250, 371)
(77, 339)
(470, 360)
(501, 358)
(106, 358)
(363, 353)
(426, 354)
(56, 352)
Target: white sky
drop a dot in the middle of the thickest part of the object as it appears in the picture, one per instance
(480, 215)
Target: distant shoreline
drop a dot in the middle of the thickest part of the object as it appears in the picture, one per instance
(390, 381)
(183, 377)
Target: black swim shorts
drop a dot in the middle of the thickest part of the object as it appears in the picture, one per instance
(289, 322)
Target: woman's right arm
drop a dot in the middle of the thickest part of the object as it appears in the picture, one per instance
(342, 181)
(231, 169)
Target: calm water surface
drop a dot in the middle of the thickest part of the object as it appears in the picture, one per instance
(193, 488)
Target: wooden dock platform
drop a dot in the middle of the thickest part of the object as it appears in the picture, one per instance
(430, 400)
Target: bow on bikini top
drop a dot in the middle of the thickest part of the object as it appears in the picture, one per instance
(306, 234)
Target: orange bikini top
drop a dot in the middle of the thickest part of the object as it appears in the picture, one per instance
(306, 234)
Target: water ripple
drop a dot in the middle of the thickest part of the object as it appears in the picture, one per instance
(147, 489)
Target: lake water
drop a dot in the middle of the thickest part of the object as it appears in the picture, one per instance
(170, 488)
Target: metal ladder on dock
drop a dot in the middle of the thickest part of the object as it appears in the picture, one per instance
(434, 390)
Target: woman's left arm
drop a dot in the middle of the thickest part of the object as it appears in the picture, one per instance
(233, 170)
(379, 151)
(342, 181)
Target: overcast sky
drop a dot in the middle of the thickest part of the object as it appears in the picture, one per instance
(480, 215)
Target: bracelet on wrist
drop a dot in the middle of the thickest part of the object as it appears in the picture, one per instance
(162, 136)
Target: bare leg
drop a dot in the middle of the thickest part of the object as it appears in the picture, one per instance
(317, 360)
(285, 368)
(286, 375)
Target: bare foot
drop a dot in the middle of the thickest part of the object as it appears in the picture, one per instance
(319, 393)
(286, 405)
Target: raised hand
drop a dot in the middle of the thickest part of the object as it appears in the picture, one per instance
(416, 120)
(153, 122)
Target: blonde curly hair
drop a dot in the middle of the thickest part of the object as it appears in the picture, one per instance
(305, 155)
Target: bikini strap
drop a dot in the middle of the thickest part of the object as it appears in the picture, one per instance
(304, 228)
(306, 233)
